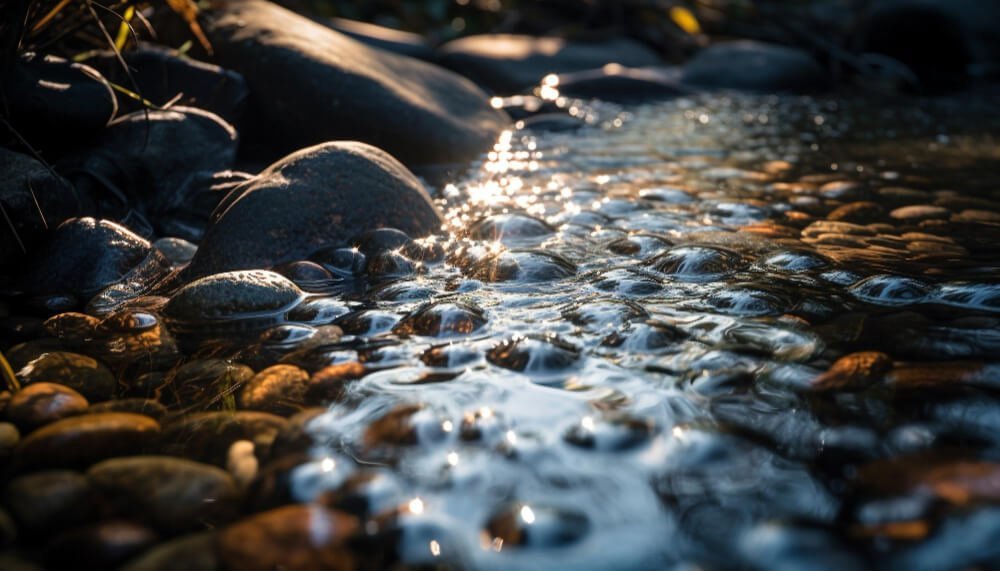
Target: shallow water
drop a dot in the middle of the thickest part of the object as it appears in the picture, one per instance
(616, 371)
(620, 353)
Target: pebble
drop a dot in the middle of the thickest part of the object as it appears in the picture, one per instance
(81, 373)
(295, 537)
(79, 441)
(41, 403)
(207, 436)
(50, 501)
(173, 494)
(853, 372)
(279, 389)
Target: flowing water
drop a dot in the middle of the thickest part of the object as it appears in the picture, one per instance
(621, 352)
(614, 366)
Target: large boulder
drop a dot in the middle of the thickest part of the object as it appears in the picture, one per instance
(32, 198)
(388, 39)
(509, 63)
(755, 66)
(162, 77)
(55, 104)
(310, 84)
(941, 41)
(153, 159)
(318, 196)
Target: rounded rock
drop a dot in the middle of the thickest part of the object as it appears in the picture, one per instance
(81, 373)
(42, 403)
(279, 389)
(79, 441)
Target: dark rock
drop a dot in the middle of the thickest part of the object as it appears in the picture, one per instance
(100, 546)
(755, 66)
(442, 319)
(310, 84)
(232, 295)
(172, 494)
(272, 486)
(8, 530)
(160, 76)
(207, 436)
(387, 39)
(41, 403)
(23, 353)
(510, 63)
(79, 441)
(279, 389)
(523, 525)
(84, 256)
(296, 537)
(317, 196)
(83, 374)
(34, 199)
(622, 84)
(9, 439)
(295, 438)
(176, 250)
(149, 159)
(195, 552)
(203, 384)
(55, 104)
(49, 501)
(146, 407)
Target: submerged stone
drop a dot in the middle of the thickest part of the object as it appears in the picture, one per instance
(509, 63)
(313, 198)
(233, 295)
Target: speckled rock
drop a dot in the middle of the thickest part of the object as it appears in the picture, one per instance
(81, 373)
(232, 295)
(318, 196)
(172, 494)
(279, 389)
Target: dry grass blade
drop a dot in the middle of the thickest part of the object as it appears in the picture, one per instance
(44, 21)
(8, 374)
(188, 10)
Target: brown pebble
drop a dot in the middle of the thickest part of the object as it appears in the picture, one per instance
(41, 403)
(79, 441)
(305, 537)
(854, 372)
(279, 389)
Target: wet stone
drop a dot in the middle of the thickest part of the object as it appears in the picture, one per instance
(279, 389)
(99, 546)
(207, 436)
(614, 432)
(172, 493)
(51, 500)
(510, 229)
(748, 300)
(862, 212)
(534, 355)
(920, 212)
(536, 526)
(522, 266)
(83, 256)
(41, 403)
(195, 552)
(83, 374)
(10, 436)
(79, 441)
(245, 298)
(342, 262)
(364, 493)
(442, 319)
(316, 197)
(890, 290)
(176, 250)
(797, 261)
(204, 383)
(697, 263)
(856, 371)
(405, 425)
(146, 407)
(641, 246)
(755, 66)
(601, 315)
(306, 537)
